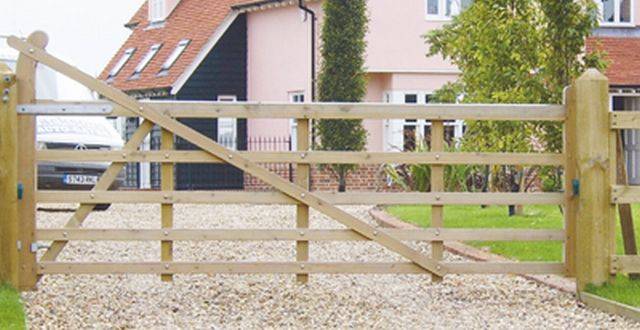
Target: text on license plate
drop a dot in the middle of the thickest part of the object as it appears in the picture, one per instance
(84, 180)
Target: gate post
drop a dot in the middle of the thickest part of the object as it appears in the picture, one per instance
(27, 176)
(9, 263)
(595, 172)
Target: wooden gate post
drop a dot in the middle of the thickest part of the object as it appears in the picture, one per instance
(27, 176)
(595, 214)
(9, 262)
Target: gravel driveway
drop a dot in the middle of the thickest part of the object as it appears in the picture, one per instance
(251, 301)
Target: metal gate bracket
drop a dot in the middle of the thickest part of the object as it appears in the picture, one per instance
(71, 108)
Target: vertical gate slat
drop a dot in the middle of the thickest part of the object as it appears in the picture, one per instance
(570, 174)
(437, 185)
(27, 176)
(302, 211)
(166, 210)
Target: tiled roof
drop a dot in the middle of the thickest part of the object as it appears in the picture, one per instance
(624, 55)
(196, 20)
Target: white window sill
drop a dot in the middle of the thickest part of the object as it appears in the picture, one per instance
(616, 25)
(437, 18)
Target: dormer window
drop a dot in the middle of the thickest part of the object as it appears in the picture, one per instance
(615, 12)
(182, 45)
(121, 63)
(159, 10)
(445, 9)
(145, 61)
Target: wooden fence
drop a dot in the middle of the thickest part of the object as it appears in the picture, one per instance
(587, 237)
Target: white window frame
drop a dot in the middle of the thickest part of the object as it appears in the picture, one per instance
(294, 97)
(398, 97)
(147, 59)
(224, 123)
(157, 11)
(616, 14)
(175, 55)
(128, 53)
(442, 8)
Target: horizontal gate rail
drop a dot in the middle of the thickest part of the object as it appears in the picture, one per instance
(295, 235)
(625, 120)
(625, 264)
(312, 157)
(188, 109)
(242, 197)
(295, 268)
(625, 194)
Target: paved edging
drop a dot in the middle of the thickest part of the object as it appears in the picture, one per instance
(385, 219)
(610, 306)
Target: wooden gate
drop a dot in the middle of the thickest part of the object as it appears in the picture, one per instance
(18, 119)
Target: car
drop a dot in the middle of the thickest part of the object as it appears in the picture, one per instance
(75, 133)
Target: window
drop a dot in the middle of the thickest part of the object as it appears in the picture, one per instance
(120, 64)
(145, 61)
(228, 127)
(182, 45)
(445, 9)
(615, 12)
(295, 97)
(157, 11)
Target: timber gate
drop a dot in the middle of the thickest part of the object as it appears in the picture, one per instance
(586, 159)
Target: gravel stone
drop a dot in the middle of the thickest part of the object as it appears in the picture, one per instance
(276, 301)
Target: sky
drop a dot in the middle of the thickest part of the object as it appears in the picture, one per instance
(84, 33)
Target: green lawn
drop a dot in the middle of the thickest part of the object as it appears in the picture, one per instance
(535, 217)
(11, 312)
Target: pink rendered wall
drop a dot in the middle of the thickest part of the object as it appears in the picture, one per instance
(395, 41)
(278, 62)
(279, 54)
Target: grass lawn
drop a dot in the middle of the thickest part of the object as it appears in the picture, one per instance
(11, 312)
(535, 217)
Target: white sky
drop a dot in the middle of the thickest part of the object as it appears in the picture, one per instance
(85, 33)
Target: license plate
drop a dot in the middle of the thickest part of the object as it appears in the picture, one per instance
(81, 180)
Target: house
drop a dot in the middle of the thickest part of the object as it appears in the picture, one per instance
(185, 50)
(619, 36)
(263, 51)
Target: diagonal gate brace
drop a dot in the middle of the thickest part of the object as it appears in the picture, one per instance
(231, 157)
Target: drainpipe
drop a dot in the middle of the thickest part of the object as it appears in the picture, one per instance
(311, 13)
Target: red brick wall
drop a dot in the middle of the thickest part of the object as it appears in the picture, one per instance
(366, 178)
(624, 55)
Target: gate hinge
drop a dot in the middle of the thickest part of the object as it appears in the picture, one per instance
(37, 246)
(20, 191)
